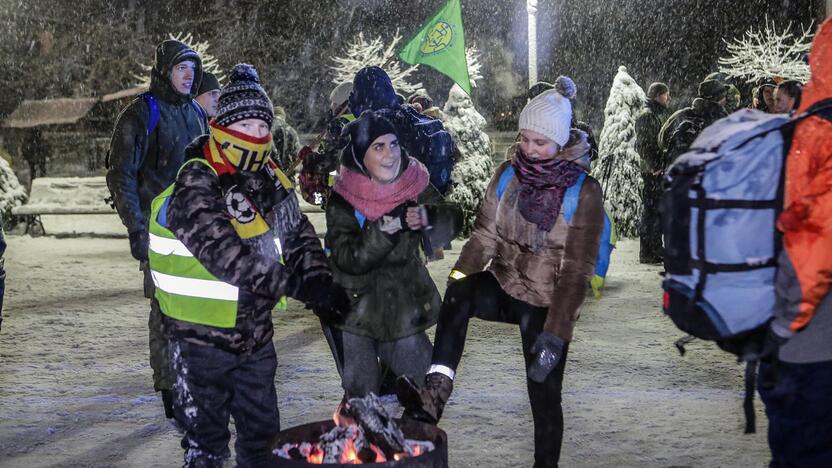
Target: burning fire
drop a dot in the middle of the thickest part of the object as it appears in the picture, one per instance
(355, 449)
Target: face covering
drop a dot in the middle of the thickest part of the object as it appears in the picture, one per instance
(244, 152)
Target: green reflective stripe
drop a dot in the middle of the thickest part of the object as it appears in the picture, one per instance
(188, 267)
(185, 274)
(213, 312)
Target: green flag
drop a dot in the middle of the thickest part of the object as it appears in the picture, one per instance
(441, 44)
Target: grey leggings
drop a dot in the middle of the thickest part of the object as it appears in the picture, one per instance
(360, 356)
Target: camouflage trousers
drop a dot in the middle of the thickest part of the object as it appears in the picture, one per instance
(159, 361)
(210, 385)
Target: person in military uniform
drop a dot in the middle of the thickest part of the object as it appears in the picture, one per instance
(227, 241)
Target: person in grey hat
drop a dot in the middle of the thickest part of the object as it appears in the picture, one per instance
(648, 125)
(679, 131)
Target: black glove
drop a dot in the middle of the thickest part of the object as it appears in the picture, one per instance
(327, 299)
(139, 242)
(770, 347)
(548, 350)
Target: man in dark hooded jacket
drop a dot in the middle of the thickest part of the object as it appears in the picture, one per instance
(648, 125)
(143, 161)
(422, 137)
(679, 131)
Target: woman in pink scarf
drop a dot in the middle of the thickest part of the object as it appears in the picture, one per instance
(382, 219)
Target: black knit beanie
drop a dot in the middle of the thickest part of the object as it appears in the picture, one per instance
(363, 132)
(243, 98)
(209, 83)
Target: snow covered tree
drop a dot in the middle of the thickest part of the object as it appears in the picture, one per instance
(12, 194)
(209, 62)
(768, 53)
(474, 166)
(361, 53)
(618, 165)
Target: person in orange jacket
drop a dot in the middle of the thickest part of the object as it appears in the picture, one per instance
(796, 372)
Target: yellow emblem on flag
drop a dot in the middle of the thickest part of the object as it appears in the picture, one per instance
(439, 38)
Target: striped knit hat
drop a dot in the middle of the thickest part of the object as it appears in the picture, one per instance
(243, 98)
(550, 114)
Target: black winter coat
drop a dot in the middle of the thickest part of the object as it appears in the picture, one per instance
(648, 126)
(682, 128)
(140, 166)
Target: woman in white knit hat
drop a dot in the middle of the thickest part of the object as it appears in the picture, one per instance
(527, 262)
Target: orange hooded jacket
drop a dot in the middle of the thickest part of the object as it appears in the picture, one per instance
(806, 220)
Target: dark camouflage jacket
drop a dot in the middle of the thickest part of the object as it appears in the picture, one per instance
(200, 218)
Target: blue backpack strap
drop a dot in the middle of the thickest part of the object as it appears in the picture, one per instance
(153, 112)
(359, 216)
(203, 117)
(505, 178)
(570, 198)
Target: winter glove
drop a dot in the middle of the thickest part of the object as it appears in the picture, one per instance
(327, 299)
(548, 350)
(139, 242)
(769, 348)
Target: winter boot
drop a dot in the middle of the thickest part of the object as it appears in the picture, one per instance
(426, 403)
(167, 401)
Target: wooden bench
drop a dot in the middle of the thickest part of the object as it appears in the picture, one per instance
(64, 196)
(79, 196)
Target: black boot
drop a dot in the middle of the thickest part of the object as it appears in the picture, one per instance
(425, 403)
(167, 401)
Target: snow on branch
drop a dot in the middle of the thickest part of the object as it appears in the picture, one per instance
(472, 56)
(361, 52)
(768, 53)
(209, 62)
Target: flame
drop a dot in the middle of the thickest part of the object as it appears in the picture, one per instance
(379, 454)
(316, 457)
(349, 455)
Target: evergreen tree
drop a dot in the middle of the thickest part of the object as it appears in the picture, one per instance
(618, 165)
(474, 166)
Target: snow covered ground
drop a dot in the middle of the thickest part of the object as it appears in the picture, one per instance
(75, 385)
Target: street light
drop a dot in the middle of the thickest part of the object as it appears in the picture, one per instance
(531, 9)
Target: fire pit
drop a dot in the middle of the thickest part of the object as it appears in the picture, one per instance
(361, 432)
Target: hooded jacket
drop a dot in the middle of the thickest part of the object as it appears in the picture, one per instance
(805, 271)
(140, 166)
(545, 269)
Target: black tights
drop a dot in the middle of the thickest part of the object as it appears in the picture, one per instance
(480, 295)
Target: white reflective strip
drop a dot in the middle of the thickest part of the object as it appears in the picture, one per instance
(206, 289)
(440, 369)
(165, 246)
(277, 245)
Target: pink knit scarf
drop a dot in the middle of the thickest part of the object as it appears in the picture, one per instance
(373, 199)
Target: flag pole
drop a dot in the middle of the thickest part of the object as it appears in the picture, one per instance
(531, 9)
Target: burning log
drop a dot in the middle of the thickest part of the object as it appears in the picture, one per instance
(379, 427)
(364, 433)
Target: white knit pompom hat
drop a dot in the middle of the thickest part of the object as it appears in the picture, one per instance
(549, 114)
